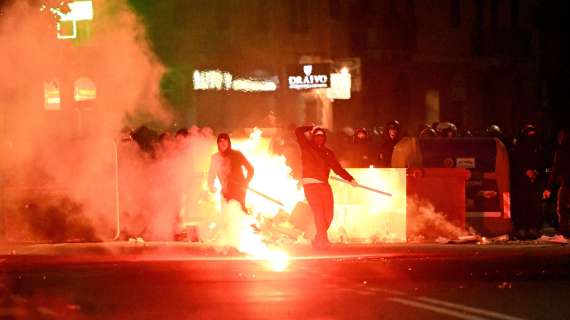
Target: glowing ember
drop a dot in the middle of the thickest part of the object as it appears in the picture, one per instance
(251, 243)
(278, 261)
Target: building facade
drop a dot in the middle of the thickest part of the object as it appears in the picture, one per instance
(471, 62)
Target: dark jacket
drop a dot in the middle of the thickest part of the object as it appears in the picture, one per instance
(560, 168)
(526, 155)
(385, 150)
(318, 161)
(228, 168)
(361, 153)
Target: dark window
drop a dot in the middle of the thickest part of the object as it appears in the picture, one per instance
(494, 14)
(262, 14)
(335, 9)
(303, 16)
(393, 8)
(298, 16)
(514, 14)
(222, 15)
(455, 13)
(411, 11)
(479, 14)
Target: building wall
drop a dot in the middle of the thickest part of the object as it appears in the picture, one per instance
(247, 37)
(482, 63)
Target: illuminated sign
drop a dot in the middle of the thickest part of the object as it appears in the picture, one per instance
(340, 85)
(309, 76)
(222, 80)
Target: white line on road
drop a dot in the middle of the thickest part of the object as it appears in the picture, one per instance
(425, 306)
(484, 312)
(394, 292)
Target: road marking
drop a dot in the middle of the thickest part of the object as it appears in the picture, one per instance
(425, 306)
(394, 292)
(484, 312)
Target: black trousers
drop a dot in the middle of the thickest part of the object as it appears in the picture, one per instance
(526, 206)
(563, 209)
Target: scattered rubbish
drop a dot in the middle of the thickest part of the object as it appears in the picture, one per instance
(136, 240)
(554, 239)
(442, 240)
(502, 238)
(302, 240)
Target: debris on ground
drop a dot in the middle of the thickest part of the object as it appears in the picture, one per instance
(554, 239)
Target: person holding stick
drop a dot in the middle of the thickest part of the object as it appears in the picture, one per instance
(317, 161)
(227, 164)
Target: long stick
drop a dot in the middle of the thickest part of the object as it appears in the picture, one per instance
(277, 202)
(363, 187)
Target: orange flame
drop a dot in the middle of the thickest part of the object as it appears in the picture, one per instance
(359, 214)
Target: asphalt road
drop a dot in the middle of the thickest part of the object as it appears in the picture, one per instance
(405, 282)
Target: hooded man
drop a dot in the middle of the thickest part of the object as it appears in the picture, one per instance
(560, 175)
(389, 140)
(317, 161)
(526, 168)
(227, 165)
(362, 153)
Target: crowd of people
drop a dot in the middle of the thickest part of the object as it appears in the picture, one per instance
(539, 166)
(539, 169)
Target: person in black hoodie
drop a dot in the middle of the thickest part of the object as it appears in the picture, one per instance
(526, 170)
(361, 150)
(317, 161)
(389, 140)
(560, 175)
(227, 164)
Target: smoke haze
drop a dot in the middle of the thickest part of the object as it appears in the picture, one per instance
(58, 166)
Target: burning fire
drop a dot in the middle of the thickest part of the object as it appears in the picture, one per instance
(272, 178)
(359, 214)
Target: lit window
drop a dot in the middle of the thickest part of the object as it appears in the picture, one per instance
(52, 98)
(84, 89)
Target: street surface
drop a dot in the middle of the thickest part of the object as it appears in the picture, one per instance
(189, 281)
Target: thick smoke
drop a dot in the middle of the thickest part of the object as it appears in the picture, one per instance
(163, 191)
(59, 166)
(426, 223)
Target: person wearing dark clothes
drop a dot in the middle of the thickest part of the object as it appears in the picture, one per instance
(227, 165)
(361, 153)
(317, 161)
(560, 176)
(390, 138)
(527, 166)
